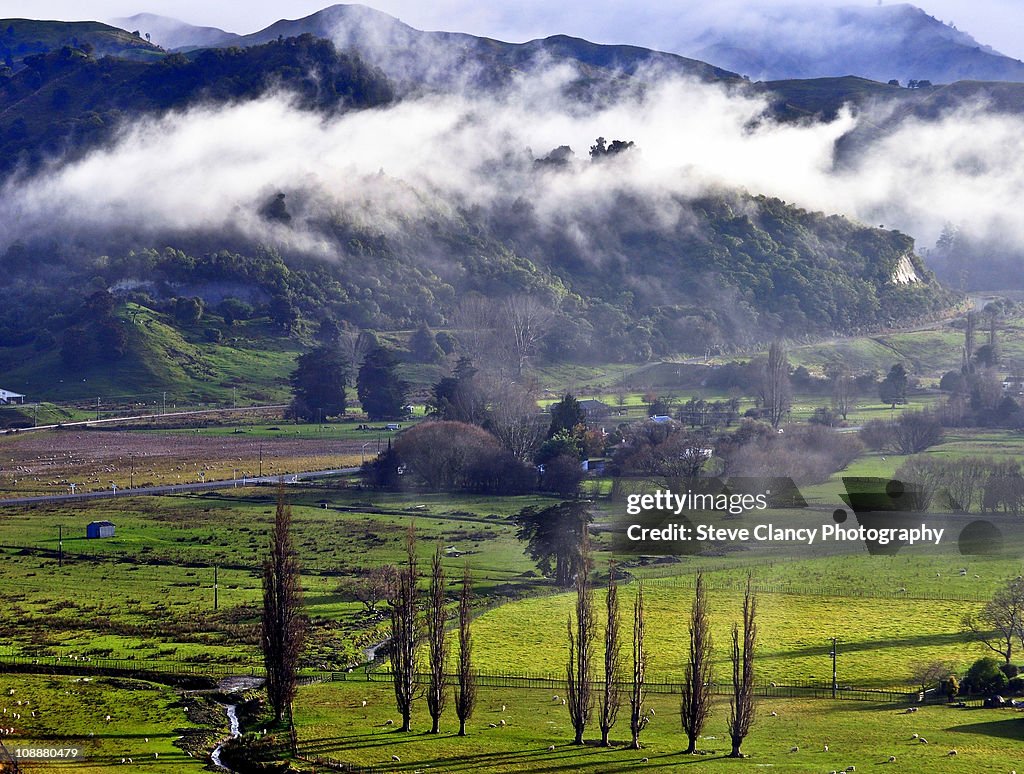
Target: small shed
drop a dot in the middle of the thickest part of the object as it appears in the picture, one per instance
(100, 529)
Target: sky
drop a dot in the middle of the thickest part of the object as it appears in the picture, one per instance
(640, 22)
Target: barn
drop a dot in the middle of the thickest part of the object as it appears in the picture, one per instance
(100, 529)
(6, 396)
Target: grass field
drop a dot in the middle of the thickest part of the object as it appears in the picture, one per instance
(146, 719)
(333, 723)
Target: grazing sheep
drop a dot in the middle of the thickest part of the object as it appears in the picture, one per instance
(916, 736)
(147, 739)
(892, 759)
(123, 760)
(364, 702)
(502, 722)
(551, 748)
(826, 749)
(794, 748)
(107, 718)
(651, 710)
(773, 714)
(389, 722)
(563, 702)
(396, 759)
(555, 697)
(131, 761)
(644, 760)
(851, 768)
(156, 755)
(951, 752)
(922, 740)
(502, 707)
(492, 725)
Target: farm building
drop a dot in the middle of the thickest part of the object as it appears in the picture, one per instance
(595, 409)
(6, 396)
(99, 529)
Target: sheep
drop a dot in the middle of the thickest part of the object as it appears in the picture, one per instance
(916, 736)
(389, 722)
(131, 761)
(551, 748)
(851, 768)
(794, 748)
(651, 710)
(147, 740)
(502, 707)
(502, 722)
(773, 714)
(892, 759)
(826, 749)
(563, 702)
(107, 718)
(951, 752)
(364, 702)
(555, 697)
(396, 759)
(156, 755)
(123, 760)
(922, 740)
(644, 760)
(492, 725)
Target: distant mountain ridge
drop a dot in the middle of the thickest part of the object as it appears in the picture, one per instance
(414, 58)
(882, 43)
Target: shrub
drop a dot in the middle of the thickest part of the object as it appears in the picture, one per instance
(985, 678)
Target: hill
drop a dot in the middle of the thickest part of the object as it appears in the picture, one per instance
(416, 59)
(23, 38)
(882, 43)
(173, 33)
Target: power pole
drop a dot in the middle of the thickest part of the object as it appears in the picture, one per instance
(835, 683)
(97, 408)
(60, 545)
(131, 480)
(215, 588)
(261, 459)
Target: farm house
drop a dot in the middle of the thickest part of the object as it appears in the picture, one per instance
(100, 529)
(6, 396)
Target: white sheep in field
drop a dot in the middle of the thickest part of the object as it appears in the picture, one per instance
(389, 722)
(826, 749)
(502, 707)
(644, 760)
(892, 759)
(794, 748)
(916, 736)
(396, 759)
(922, 740)
(555, 697)
(492, 725)
(502, 722)
(364, 702)
(551, 748)
(951, 752)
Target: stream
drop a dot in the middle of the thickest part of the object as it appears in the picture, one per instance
(232, 710)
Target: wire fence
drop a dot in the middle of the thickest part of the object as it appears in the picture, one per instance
(65, 663)
(815, 590)
(806, 689)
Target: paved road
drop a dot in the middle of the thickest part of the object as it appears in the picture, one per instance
(290, 478)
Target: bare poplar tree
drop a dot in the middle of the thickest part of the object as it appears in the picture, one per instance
(525, 321)
(843, 391)
(695, 706)
(465, 692)
(775, 387)
(638, 719)
(404, 635)
(579, 672)
(437, 637)
(741, 705)
(611, 699)
(283, 627)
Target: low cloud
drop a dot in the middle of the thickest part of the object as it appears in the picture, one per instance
(211, 169)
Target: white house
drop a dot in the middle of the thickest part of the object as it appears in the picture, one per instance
(6, 396)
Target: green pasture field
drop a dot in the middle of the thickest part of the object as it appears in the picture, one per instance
(332, 722)
(148, 592)
(881, 640)
(146, 720)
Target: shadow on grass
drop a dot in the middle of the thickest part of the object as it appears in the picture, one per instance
(1004, 728)
(565, 758)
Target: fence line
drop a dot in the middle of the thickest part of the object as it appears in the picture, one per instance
(90, 663)
(718, 584)
(667, 684)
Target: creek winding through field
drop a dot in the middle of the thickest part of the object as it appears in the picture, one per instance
(235, 729)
